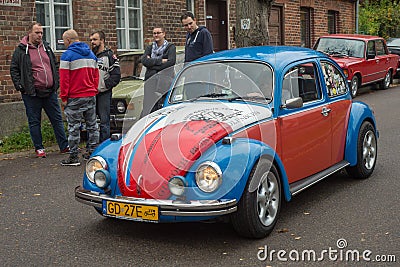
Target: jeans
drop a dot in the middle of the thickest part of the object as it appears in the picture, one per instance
(33, 108)
(76, 110)
(103, 104)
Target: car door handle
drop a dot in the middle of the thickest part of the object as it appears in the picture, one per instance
(325, 111)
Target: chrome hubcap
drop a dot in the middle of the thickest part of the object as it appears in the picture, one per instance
(369, 150)
(354, 86)
(387, 79)
(268, 198)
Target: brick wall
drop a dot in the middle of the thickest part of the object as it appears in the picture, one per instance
(13, 23)
(93, 15)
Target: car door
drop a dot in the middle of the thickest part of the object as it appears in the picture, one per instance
(305, 132)
(373, 64)
(340, 105)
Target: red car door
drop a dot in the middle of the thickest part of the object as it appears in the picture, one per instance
(305, 133)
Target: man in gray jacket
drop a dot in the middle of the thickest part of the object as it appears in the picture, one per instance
(110, 76)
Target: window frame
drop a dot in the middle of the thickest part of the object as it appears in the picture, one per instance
(52, 27)
(332, 21)
(126, 27)
(325, 78)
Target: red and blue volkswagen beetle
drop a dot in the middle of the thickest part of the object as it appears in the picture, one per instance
(240, 132)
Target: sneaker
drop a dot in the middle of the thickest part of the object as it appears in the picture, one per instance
(40, 153)
(65, 150)
(86, 155)
(71, 161)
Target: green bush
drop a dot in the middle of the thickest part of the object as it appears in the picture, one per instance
(381, 18)
(20, 141)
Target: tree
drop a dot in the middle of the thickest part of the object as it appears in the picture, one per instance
(380, 18)
(252, 18)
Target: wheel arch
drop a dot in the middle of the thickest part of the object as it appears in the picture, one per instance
(360, 112)
(262, 150)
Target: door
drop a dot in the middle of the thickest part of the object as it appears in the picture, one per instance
(306, 134)
(217, 23)
(275, 26)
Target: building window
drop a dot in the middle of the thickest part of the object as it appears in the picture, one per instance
(55, 17)
(305, 26)
(190, 5)
(332, 21)
(129, 24)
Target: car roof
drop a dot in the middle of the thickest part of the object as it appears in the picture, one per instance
(352, 36)
(278, 56)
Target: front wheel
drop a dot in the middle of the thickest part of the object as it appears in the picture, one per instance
(260, 204)
(354, 86)
(367, 152)
(385, 83)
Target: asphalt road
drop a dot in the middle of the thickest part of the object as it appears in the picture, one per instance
(42, 225)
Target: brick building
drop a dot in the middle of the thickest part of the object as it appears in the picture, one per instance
(128, 26)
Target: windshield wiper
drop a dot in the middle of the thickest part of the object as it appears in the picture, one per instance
(248, 98)
(338, 54)
(212, 95)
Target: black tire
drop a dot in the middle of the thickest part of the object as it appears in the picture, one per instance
(367, 152)
(385, 83)
(354, 85)
(260, 204)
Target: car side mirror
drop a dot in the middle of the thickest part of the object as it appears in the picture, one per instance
(370, 55)
(292, 103)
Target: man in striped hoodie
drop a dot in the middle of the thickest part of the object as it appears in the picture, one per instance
(79, 79)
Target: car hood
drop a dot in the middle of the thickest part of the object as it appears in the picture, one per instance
(346, 61)
(167, 142)
(127, 88)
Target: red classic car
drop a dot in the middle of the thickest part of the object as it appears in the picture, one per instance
(364, 59)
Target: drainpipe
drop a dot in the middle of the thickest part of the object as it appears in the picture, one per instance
(357, 10)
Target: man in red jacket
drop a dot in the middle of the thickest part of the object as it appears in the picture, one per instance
(79, 79)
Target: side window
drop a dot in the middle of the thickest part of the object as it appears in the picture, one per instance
(300, 81)
(380, 48)
(371, 48)
(335, 83)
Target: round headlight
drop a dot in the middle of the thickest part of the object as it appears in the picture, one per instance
(94, 164)
(102, 178)
(177, 185)
(208, 176)
(121, 106)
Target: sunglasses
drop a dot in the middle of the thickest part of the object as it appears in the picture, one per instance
(188, 24)
(155, 33)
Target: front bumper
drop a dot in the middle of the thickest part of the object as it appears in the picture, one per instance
(167, 207)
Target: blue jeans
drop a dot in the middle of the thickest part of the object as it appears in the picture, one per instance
(103, 104)
(33, 108)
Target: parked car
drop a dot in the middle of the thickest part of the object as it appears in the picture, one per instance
(393, 45)
(364, 59)
(240, 132)
(127, 96)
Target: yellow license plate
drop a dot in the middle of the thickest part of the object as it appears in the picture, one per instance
(131, 211)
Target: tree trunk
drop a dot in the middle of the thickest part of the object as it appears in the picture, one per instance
(252, 18)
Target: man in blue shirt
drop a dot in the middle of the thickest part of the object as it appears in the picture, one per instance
(198, 39)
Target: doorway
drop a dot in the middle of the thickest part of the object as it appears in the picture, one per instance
(217, 23)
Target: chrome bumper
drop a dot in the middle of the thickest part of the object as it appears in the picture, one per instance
(166, 207)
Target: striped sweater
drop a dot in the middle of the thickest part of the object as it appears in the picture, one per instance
(79, 75)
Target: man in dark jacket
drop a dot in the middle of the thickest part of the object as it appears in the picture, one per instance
(198, 39)
(110, 75)
(34, 73)
(159, 59)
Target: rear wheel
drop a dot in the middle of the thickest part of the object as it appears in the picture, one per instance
(260, 204)
(367, 152)
(385, 83)
(354, 86)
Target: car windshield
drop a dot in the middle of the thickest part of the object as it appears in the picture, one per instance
(341, 47)
(394, 42)
(229, 80)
